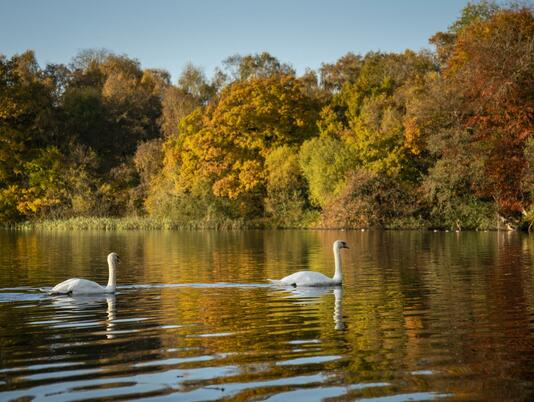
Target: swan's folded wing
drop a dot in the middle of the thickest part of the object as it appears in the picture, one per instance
(290, 280)
(78, 286)
(65, 286)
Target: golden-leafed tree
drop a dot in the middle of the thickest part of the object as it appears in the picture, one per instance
(224, 145)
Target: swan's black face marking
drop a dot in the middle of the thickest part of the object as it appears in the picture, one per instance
(344, 245)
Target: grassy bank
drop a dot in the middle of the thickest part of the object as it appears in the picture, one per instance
(126, 223)
(152, 223)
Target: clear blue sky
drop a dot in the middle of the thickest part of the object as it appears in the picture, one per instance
(168, 34)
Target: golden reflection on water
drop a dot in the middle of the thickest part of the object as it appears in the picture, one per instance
(426, 315)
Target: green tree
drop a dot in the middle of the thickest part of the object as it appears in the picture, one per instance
(260, 65)
(286, 201)
(148, 162)
(325, 162)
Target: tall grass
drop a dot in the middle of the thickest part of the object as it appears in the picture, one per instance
(128, 223)
(216, 223)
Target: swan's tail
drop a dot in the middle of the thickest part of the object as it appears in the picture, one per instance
(51, 293)
(282, 283)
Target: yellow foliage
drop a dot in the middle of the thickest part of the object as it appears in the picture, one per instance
(329, 124)
(412, 134)
(227, 142)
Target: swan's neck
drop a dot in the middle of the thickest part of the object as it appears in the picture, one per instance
(338, 277)
(111, 281)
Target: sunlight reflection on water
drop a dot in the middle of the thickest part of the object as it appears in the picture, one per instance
(417, 315)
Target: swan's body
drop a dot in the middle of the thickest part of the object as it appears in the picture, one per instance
(311, 278)
(83, 286)
(80, 286)
(307, 278)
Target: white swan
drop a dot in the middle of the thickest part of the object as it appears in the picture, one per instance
(311, 278)
(78, 286)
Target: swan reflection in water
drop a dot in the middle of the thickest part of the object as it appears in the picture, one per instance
(308, 295)
(89, 303)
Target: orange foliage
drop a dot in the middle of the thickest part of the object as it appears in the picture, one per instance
(492, 66)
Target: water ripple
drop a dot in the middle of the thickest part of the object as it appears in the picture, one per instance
(419, 317)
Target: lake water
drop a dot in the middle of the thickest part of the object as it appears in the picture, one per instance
(421, 316)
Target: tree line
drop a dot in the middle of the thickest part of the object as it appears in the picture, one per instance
(440, 138)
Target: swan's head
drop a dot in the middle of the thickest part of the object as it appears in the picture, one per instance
(339, 244)
(113, 259)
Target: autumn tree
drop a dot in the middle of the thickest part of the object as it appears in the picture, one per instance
(369, 199)
(363, 130)
(226, 145)
(27, 127)
(344, 71)
(472, 12)
(192, 90)
(193, 81)
(492, 66)
(444, 138)
(487, 74)
(110, 106)
(260, 65)
(528, 183)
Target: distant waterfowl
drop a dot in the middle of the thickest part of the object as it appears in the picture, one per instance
(75, 286)
(311, 278)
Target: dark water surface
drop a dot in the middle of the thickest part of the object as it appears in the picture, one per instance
(421, 316)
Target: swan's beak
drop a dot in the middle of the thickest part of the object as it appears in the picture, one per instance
(118, 260)
(344, 246)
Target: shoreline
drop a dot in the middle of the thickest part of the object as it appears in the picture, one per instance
(148, 223)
